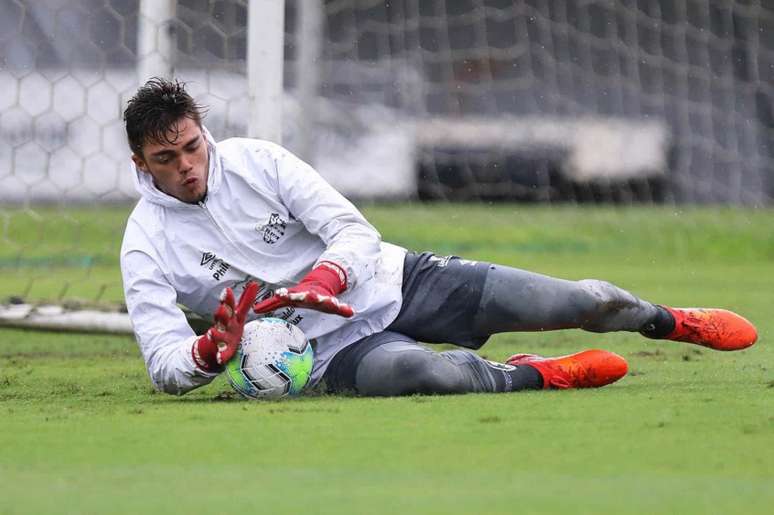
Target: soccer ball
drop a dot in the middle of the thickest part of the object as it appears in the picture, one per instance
(274, 359)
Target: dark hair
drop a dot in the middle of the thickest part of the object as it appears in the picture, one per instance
(155, 110)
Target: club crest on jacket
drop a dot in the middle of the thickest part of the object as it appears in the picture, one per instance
(273, 230)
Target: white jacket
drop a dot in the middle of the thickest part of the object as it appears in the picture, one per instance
(267, 216)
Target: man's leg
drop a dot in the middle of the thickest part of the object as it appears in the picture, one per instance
(401, 368)
(452, 300)
(518, 300)
(390, 364)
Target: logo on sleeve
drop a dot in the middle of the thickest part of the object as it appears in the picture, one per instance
(274, 229)
(217, 266)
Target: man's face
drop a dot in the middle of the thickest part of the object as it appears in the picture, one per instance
(179, 168)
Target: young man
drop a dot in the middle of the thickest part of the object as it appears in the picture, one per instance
(246, 215)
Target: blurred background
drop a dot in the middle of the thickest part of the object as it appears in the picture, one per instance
(540, 101)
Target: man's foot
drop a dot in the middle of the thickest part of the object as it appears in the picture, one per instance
(587, 369)
(717, 329)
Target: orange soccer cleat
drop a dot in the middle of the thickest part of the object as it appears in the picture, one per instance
(587, 369)
(717, 329)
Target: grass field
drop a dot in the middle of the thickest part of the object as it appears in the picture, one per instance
(687, 431)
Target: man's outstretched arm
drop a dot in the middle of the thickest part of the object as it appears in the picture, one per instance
(352, 244)
(176, 359)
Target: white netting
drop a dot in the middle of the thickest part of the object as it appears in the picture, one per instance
(68, 69)
(487, 98)
(549, 99)
(649, 100)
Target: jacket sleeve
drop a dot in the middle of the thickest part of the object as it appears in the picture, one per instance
(160, 326)
(351, 242)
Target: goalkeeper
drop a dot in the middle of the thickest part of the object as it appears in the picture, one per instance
(247, 216)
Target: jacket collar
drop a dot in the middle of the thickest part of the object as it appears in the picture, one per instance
(143, 182)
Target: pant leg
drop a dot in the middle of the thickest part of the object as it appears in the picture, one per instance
(452, 300)
(518, 300)
(390, 364)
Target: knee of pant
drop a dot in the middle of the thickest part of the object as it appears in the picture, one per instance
(428, 372)
(400, 373)
(597, 298)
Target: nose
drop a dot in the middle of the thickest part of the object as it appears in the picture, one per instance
(185, 164)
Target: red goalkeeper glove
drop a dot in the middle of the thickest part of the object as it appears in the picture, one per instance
(317, 290)
(218, 345)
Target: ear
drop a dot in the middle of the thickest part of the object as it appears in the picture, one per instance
(140, 163)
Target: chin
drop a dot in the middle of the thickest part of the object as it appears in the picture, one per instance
(198, 197)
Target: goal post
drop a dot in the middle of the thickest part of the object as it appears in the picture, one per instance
(310, 25)
(265, 63)
(155, 39)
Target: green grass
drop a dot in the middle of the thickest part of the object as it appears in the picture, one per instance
(49, 253)
(687, 431)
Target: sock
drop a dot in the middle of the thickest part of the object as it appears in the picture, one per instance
(660, 326)
(526, 377)
(510, 378)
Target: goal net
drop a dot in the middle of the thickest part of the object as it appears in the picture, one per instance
(539, 100)
(579, 100)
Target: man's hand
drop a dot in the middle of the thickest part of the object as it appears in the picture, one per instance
(316, 291)
(212, 350)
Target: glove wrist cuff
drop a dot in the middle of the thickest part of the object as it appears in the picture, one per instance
(200, 356)
(334, 276)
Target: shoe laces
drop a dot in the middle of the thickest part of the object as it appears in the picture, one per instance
(524, 359)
